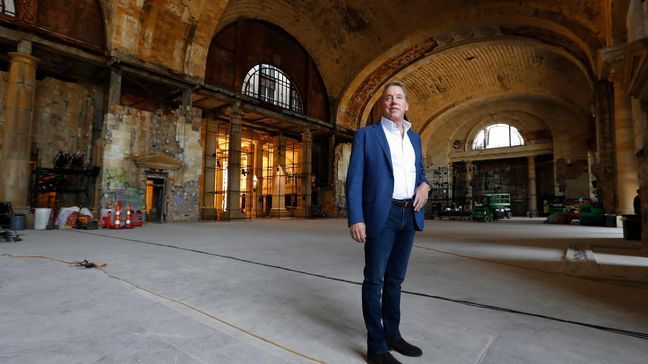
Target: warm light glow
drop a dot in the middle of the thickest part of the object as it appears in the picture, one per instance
(149, 196)
(497, 136)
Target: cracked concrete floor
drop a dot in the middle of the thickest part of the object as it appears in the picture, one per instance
(287, 291)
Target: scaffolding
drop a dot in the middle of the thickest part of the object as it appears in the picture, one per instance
(271, 182)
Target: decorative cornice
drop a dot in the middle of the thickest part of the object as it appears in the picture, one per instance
(502, 153)
(610, 62)
(635, 80)
(158, 161)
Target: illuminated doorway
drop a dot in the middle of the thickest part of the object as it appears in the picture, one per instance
(155, 198)
(270, 174)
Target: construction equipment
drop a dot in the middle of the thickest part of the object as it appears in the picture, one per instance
(591, 213)
(493, 206)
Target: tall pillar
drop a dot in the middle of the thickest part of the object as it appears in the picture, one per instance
(279, 179)
(605, 146)
(249, 181)
(627, 180)
(114, 90)
(258, 172)
(16, 142)
(210, 172)
(307, 161)
(469, 189)
(233, 203)
(450, 181)
(533, 201)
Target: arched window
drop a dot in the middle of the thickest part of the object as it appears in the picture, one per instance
(270, 84)
(7, 7)
(497, 136)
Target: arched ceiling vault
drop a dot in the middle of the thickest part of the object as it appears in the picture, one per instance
(358, 45)
(493, 68)
(354, 41)
(569, 130)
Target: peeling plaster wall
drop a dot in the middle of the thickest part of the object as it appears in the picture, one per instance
(132, 134)
(63, 116)
(158, 31)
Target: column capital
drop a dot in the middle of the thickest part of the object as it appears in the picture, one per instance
(236, 111)
(23, 58)
(610, 63)
(24, 46)
(307, 134)
(636, 69)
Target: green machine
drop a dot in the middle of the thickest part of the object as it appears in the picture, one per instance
(591, 213)
(493, 206)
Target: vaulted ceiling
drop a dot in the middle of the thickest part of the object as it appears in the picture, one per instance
(449, 53)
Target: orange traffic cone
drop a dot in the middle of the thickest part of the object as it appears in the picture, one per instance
(128, 216)
(117, 216)
(106, 223)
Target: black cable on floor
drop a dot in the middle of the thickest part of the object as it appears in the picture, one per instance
(636, 334)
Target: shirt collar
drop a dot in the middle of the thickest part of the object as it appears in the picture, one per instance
(391, 126)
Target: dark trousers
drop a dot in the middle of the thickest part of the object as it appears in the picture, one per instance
(386, 257)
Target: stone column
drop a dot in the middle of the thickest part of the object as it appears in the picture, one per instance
(233, 203)
(307, 161)
(258, 172)
(209, 178)
(114, 90)
(16, 142)
(533, 201)
(627, 180)
(604, 161)
(450, 185)
(249, 181)
(469, 189)
(278, 180)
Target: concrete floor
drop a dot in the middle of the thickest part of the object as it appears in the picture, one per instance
(287, 291)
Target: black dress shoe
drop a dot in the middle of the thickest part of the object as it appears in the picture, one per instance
(403, 347)
(381, 358)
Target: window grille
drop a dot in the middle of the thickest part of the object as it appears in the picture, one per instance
(497, 136)
(7, 7)
(269, 84)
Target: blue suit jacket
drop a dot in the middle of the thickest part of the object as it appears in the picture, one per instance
(370, 179)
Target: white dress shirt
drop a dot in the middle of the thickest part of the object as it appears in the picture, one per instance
(403, 159)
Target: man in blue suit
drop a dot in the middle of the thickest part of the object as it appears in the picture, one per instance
(386, 190)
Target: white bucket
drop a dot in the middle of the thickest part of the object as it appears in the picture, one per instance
(41, 218)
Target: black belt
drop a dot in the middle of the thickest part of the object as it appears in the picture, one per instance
(403, 203)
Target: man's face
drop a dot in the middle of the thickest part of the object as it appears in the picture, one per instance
(394, 103)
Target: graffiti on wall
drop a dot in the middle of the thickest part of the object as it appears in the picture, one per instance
(134, 196)
(183, 202)
(114, 179)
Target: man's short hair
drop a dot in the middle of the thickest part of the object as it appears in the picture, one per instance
(396, 83)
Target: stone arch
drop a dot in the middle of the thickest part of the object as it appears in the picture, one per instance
(231, 55)
(355, 102)
(544, 118)
(525, 123)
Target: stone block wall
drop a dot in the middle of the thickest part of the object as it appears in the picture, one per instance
(63, 116)
(131, 134)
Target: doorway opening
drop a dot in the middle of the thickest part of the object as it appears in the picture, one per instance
(155, 198)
